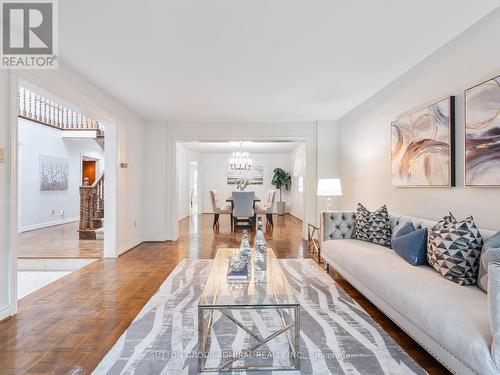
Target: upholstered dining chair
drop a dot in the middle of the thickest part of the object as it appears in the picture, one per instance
(243, 209)
(219, 207)
(267, 207)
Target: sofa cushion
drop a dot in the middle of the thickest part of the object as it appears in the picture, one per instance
(454, 249)
(411, 244)
(373, 226)
(454, 316)
(490, 253)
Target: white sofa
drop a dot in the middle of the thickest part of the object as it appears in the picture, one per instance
(450, 321)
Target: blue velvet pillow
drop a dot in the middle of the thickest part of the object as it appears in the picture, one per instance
(411, 244)
(406, 229)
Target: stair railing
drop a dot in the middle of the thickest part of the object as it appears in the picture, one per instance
(92, 204)
(34, 107)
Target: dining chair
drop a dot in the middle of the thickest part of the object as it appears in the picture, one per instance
(267, 207)
(219, 207)
(243, 210)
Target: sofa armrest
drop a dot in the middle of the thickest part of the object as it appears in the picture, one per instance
(336, 225)
(494, 309)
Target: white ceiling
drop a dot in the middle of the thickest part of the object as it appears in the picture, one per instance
(253, 60)
(252, 147)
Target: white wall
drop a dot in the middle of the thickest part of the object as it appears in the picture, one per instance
(215, 178)
(364, 133)
(38, 208)
(184, 157)
(5, 250)
(154, 198)
(297, 160)
(327, 162)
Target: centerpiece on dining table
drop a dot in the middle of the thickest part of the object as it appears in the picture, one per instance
(243, 183)
(240, 262)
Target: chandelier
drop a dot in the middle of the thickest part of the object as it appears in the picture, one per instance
(240, 161)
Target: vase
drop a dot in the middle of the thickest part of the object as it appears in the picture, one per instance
(280, 207)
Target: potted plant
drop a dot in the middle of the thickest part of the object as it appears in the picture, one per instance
(281, 179)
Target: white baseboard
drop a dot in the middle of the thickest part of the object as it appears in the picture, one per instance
(129, 246)
(4, 312)
(154, 239)
(49, 224)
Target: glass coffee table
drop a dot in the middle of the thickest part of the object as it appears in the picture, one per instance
(232, 299)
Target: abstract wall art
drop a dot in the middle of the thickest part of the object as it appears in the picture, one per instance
(54, 173)
(254, 175)
(482, 134)
(423, 146)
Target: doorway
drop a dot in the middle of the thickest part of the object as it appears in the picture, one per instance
(50, 177)
(88, 171)
(193, 189)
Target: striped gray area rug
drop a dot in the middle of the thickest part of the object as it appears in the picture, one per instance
(337, 335)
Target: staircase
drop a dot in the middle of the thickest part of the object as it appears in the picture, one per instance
(92, 210)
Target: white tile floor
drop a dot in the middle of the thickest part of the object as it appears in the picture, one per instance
(30, 281)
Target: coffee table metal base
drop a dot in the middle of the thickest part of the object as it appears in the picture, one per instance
(291, 328)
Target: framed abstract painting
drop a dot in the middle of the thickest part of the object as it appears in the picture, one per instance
(423, 152)
(54, 173)
(482, 134)
(255, 175)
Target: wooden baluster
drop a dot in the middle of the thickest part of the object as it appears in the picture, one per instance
(26, 102)
(65, 117)
(82, 209)
(51, 113)
(74, 119)
(43, 109)
(60, 116)
(23, 101)
(20, 101)
(32, 106)
(47, 111)
(56, 115)
(40, 108)
(92, 209)
(37, 108)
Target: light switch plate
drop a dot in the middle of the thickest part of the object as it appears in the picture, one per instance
(2, 155)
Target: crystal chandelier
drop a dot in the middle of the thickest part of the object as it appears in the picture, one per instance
(240, 161)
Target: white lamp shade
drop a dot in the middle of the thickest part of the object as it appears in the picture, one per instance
(329, 187)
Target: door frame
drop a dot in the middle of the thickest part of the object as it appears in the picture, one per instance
(83, 158)
(310, 174)
(111, 168)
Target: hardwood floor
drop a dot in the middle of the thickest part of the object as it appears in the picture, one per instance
(60, 241)
(68, 326)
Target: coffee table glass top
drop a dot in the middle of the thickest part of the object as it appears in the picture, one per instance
(263, 289)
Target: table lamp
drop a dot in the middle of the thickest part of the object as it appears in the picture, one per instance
(329, 187)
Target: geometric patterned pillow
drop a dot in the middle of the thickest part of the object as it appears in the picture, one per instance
(454, 249)
(373, 226)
